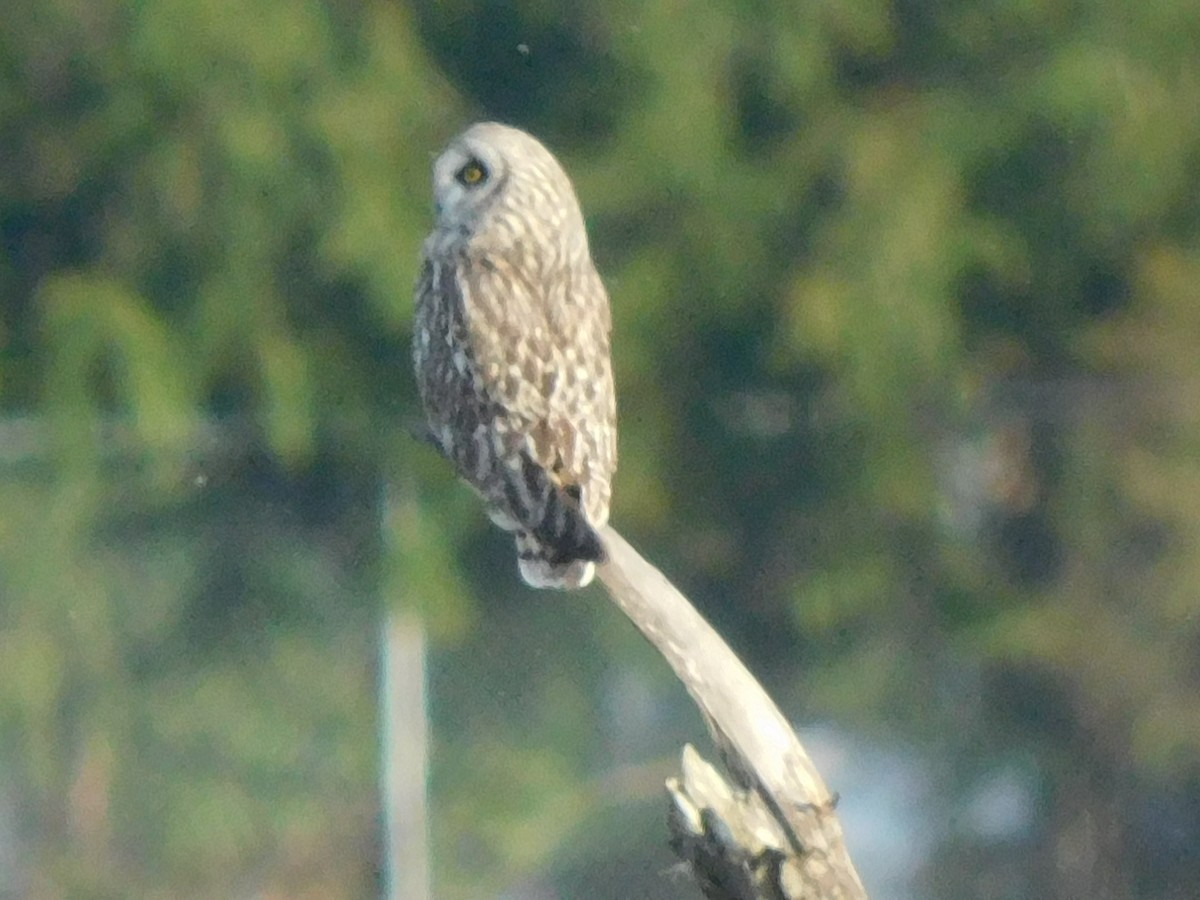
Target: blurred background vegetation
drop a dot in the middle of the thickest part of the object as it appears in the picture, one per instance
(907, 337)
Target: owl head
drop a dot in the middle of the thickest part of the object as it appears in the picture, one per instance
(497, 184)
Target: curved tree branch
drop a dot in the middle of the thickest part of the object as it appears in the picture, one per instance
(774, 832)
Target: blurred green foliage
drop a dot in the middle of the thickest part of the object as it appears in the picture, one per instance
(906, 325)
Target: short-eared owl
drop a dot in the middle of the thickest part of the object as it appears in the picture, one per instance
(511, 346)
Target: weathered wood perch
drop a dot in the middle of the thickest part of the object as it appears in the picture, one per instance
(771, 834)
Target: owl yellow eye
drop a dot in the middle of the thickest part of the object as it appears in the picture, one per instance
(472, 173)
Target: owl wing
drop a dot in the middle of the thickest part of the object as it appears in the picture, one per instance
(498, 387)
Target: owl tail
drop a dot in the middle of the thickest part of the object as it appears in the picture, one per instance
(538, 570)
(564, 532)
(556, 545)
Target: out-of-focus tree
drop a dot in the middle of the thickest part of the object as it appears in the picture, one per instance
(209, 213)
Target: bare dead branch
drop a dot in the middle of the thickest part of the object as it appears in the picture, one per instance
(773, 833)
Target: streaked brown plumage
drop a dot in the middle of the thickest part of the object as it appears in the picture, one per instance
(511, 348)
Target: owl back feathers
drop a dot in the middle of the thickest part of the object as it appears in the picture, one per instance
(506, 407)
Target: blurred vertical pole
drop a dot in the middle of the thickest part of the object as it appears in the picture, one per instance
(404, 758)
